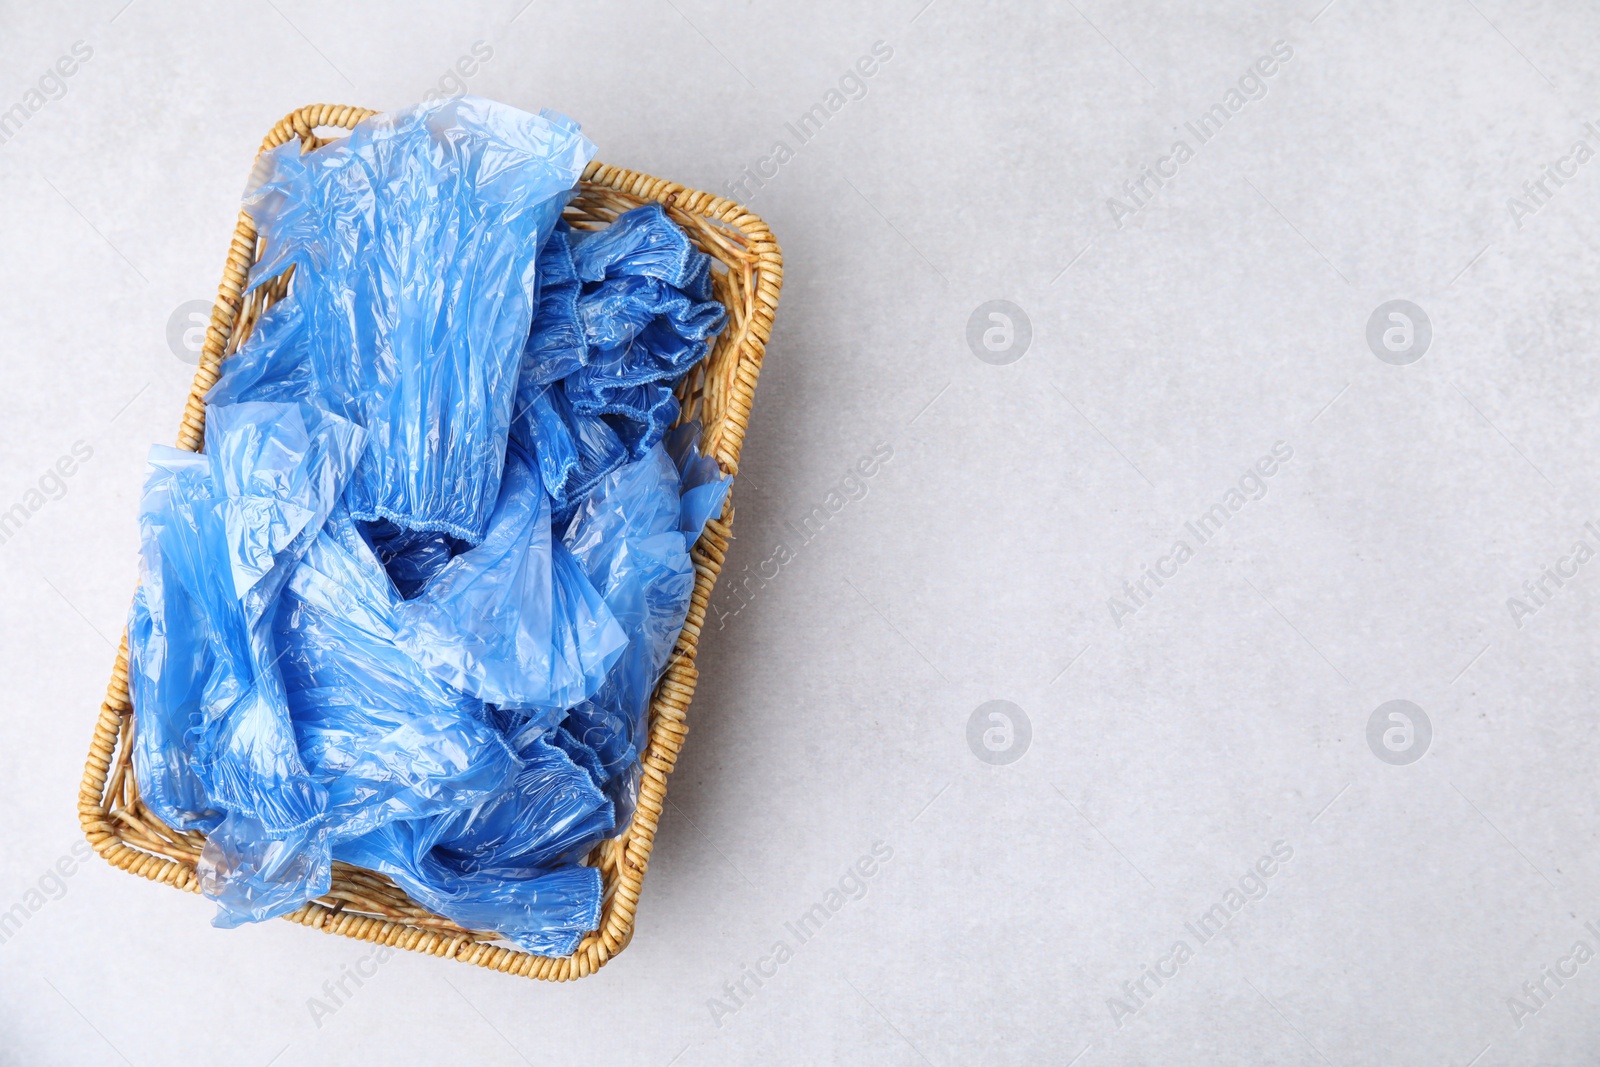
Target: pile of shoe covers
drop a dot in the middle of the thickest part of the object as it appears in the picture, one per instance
(407, 608)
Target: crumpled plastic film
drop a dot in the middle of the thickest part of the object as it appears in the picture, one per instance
(646, 243)
(514, 621)
(221, 533)
(627, 311)
(408, 608)
(415, 242)
(388, 739)
(574, 451)
(410, 557)
(556, 345)
(632, 537)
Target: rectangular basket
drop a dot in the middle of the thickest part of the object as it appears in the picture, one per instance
(361, 903)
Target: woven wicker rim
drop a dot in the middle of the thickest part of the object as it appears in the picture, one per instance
(360, 903)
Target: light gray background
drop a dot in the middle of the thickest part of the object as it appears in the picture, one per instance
(1167, 754)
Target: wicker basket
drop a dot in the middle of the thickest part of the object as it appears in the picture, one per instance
(361, 903)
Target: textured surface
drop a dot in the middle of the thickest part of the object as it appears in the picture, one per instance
(1227, 712)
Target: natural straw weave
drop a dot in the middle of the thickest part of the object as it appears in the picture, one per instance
(361, 903)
